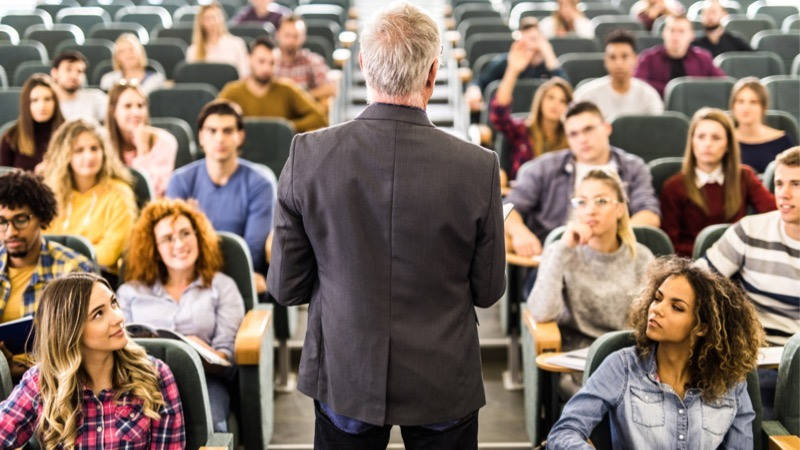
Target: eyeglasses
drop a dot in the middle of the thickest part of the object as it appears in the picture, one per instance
(599, 202)
(128, 82)
(171, 239)
(20, 221)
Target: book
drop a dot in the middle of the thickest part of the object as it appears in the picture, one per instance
(575, 360)
(17, 335)
(144, 331)
(769, 356)
(507, 207)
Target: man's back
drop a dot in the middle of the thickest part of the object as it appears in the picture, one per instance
(392, 230)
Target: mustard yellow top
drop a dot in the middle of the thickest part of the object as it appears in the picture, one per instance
(104, 215)
(20, 277)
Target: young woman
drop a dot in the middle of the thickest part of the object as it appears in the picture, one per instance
(92, 188)
(683, 384)
(130, 63)
(24, 144)
(87, 371)
(594, 271)
(542, 131)
(712, 186)
(760, 144)
(173, 281)
(211, 41)
(148, 149)
(647, 11)
(567, 20)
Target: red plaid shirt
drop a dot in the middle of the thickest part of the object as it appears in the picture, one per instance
(108, 424)
(308, 69)
(516, 133)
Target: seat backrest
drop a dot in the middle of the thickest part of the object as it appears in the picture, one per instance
(483, 43)
(52, 7)
(250, 31)
(238, 264)
(324, 28)
(645, 40)
(9, 98)
(688, 94)
(653, 238)
(787, 391)
(28, 68)
(768, 177)
(603, 25)
(167, 51)
(783, 120)
(580, 66)
(747, 27)
(663, 168)
(215, 74)
(110, 7)
(750, 64)
(146, 16)
(11, 56)
(651, 137)
(785, 44)
(268, 141)
(4, 78)
(791, 23)
(78, 244)
(142, 188)
(521, 98)
(320, 46)
(322, 11)
(474, 10)
(113, 30)
(84, 17)
(597, 9)
(187, 149)
(706, 238)
(181, 31)
(187, 369)
(778, 12)
(573, 44)
(8, 34)
(482, 25)
(183, 101)
(185, 14)
(20, 21)
(784, 90)
(529, 9)
(53, 35)
(96, 51)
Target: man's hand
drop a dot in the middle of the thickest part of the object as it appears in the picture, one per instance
(523, 242)
(519, 57)
(204, 344)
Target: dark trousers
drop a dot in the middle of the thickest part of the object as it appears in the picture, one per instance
(461, 436)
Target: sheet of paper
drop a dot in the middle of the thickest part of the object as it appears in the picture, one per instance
(769, 356)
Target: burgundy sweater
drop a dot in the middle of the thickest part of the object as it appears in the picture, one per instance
(682, 219)
(10, 155)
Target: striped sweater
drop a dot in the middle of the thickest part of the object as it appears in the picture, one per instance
(757, 252)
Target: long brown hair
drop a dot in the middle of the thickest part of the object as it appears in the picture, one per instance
(22, 132)
(118, 142)
(728, 348)
(731, 164)
(59, 322)
(143, 262)
(199, 35)
(535, 118)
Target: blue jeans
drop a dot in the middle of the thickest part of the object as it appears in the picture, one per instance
(220, 400)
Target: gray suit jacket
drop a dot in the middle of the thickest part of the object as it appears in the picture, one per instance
(392, 230)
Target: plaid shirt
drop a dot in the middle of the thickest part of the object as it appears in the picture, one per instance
(107, 424)
(308, 69)
(55, 260)
(516, 133)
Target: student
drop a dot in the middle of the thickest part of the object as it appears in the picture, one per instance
(130, 63)
(87, 371)
(261, 11)
(542, 131)
(712, 186)
(647, 11)
(715, 38)
(619, 93)
(148, 149)
(594, 271)
(306, 68)
(24, 143)
(173, 281)
(760, 143)
(683, 384)
(211, 41)
(75, 100)
(92, 189)
(567, 20)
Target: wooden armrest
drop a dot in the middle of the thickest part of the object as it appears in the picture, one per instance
(340, 57)
(480, 134)
(352, 13)
(351, 25)
(465, 75)
(347, 38)
(459, 54)
(247, 347)
(452, 36)
(784, 442)
(546, 335)
(213, 448)
(449, 23)
(522, 261)
(447, 10)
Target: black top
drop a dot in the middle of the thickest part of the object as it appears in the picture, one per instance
(676, 68)
(727, 43)
(758, 156)
(9, 152)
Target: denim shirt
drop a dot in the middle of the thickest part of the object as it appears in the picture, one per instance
(645, 413)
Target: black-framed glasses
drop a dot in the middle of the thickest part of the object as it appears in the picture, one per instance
(20, 221)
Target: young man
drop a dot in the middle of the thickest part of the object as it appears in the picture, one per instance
(306, 68)
(69, 73)
(763, 252)
(544, 185)
(619, 93)
(262, 95)
(716, 40)
(234, 193)
(676, 58)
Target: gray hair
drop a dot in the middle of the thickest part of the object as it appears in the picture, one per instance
(397, 50)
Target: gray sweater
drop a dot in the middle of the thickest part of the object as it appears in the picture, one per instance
(586, 292)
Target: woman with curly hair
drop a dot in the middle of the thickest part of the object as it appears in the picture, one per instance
(683, 383)
(92, 189)
(87, 371)
(173, 281)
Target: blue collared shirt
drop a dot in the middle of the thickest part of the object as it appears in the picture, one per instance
(645, 413)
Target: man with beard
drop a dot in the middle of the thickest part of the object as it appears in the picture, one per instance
(261, 95)
(299, 64)
(27, 261)
(69, 73)
(716, 39)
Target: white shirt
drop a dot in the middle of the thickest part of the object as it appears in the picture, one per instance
(89, 102)
(582, 169)
(582, 28)
(641, 98)
(703, 178)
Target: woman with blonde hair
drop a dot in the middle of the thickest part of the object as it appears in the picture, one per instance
(24, 144)
(759, 143)
(567, 20)
(92, 189)
(542, 131)
(712, 186)
(173, 281)
(130, 64)
(211, 41)
(147, 149)
(86, 371)
(683, 384)
(591, 275)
